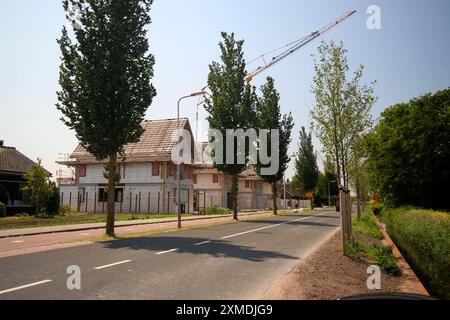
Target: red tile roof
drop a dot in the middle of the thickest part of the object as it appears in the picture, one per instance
(158, 139)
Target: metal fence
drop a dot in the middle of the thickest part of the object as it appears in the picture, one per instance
(127, 202)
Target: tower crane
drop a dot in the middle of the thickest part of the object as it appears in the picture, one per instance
(294, 46)
(290, 49)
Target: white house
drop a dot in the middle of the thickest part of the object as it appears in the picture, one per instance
(148, 183)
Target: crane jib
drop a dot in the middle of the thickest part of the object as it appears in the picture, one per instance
(297, 46)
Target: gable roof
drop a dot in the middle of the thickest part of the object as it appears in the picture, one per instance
(158, 140)
(12, 161)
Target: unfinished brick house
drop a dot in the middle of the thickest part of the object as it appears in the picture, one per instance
(213, 188)
(148, 183)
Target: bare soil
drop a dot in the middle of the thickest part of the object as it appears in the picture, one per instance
(328, 275)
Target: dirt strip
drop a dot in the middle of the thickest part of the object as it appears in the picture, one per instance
(328, 275)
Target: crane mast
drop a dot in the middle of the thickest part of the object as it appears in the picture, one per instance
(297, 46)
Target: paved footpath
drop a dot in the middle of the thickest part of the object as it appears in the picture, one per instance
(228, 261)
(23, 241)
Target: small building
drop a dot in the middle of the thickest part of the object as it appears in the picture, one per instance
(293, 197)
(148, 176)
(13, 166)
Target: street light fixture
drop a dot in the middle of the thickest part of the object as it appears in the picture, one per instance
(195, 94)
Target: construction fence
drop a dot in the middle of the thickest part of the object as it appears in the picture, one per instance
(127, 202)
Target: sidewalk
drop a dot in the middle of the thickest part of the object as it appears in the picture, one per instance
(101, 225)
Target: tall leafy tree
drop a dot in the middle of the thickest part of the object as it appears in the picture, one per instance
(306, 169)
(232, 104)
(270, 117)
(409, 152)
(341, 113)
(105, 79)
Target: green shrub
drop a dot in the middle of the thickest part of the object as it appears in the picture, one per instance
(214, 210)
(423, 236)
(50, 205)
(381, 255)
(376, 207)
(65, 210)
(355, 248)
(2, 210)
(384, 258)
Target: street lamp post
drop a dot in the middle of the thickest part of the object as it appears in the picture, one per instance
(178, 164)
(329, 197)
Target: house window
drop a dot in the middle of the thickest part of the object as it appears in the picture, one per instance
(194, 178)
(215, 178)
(172, 169)
(247, 184)
(103, 196)
(82, 170)
(155, 169)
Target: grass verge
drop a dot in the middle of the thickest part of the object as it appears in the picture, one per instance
(367, 225)
(376, 253)
(72, 218)
(381, 255)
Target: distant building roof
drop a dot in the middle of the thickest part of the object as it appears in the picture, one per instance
(291, 193)
(14, 162)
(158, 139)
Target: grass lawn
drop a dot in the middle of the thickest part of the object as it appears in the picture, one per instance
(72, 218)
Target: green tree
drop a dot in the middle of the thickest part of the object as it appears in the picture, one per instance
(232, 105)
(409, 152)
(269, 117)
(38, 184)
(105, 80)
(327, 186)
(306, 170)
(341, 113)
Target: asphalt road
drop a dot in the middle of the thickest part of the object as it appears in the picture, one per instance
(230, 261)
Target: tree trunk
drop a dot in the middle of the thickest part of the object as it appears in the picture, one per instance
(358, 197)
(234, 193)
(111, 195)
(274, 198)
(336, 150)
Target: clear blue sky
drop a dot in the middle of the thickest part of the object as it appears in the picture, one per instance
(408, 57)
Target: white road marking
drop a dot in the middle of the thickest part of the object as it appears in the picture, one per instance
(201, 243)
(112, 264)
(25, 286)
(18, 241)
(84, 234)
(171, 250)
(271, 226)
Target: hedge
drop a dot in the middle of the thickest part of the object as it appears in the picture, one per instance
(423, 236)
